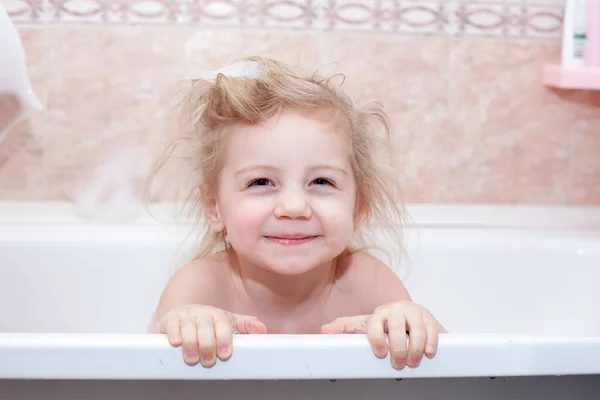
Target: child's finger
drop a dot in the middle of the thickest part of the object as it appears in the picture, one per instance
(337, 326)
(189, 340)
(376, 334)
(254, 326)
(416, 339)
(245, 324)
(351, 325)
(173, 329)
(207, 346)
(397, 339)
(432, 335)
(223, 337)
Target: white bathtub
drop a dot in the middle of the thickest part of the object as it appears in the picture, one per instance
(518, 288)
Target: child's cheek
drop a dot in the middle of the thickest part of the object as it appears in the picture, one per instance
(248, 216)
(337, 217)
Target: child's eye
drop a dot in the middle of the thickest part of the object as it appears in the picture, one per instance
(260, 182)
(322, 181)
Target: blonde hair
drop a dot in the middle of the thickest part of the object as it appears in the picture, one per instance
(212, 105)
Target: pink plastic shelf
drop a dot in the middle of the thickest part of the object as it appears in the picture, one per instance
(571, 78)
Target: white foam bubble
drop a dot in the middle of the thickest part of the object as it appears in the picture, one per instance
(238, 69)
(114, 192)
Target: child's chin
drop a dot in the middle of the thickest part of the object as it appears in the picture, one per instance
(292, 267)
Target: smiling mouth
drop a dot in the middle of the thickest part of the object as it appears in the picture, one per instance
(290, 240)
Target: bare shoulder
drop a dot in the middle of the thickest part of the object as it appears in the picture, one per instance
(371, 280)
(198, 282)
(199, 274)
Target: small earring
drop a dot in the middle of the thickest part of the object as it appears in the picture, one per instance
(226, 237)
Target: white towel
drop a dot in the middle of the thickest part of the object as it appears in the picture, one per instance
(15, 86)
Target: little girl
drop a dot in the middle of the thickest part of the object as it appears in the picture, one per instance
(290, 173)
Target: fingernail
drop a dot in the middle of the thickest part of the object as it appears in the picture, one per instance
(207, 359)
(192, 355)
(399, 363)
(414, 361)
(381, 349)
(430, 349)
(223, 350)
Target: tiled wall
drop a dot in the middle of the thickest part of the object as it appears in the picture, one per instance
(461, 80)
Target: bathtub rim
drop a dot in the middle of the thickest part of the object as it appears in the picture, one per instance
(280, 357)
(464, 215)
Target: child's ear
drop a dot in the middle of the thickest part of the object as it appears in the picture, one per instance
(211, 209)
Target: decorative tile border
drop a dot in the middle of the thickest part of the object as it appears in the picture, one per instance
(513, 19)
(25, 11)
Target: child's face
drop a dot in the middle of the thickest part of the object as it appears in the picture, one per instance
(286, 194)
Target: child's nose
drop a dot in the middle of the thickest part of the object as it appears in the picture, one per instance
(293, 204)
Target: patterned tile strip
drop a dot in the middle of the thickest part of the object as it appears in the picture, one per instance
(511, 19)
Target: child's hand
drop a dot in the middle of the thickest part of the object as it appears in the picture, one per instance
(396, 319)
(206, 332)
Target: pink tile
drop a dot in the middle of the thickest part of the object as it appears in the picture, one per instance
(208, 48)
(511, 141)
(77, 111)
(21, 169)
(472, 121)
(10, 110)
(409, 75)
(585, 151)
